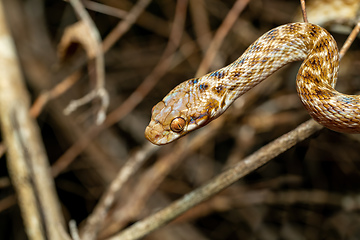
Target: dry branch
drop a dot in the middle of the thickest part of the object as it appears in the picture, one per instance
(26, 157)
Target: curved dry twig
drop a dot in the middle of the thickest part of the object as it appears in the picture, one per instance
(86, 32)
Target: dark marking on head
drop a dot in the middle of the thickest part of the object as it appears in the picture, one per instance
(203, 87)
(194, 81)
(219, 90)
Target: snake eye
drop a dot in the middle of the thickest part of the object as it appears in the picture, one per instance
(177, 124)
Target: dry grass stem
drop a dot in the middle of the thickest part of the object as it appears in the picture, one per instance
(350, 39)
(303, 10)
(220, 35)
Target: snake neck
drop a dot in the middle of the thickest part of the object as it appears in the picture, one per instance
(276, 48)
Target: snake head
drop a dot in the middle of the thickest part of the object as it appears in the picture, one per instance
(186, 108)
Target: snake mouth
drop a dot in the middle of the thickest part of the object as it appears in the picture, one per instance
(157, 135)
(153, 135)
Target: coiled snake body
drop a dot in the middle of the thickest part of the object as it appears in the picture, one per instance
(196, 102)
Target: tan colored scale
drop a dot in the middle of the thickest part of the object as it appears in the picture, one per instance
(196, 102)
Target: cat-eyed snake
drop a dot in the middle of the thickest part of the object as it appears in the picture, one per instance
(196, 102)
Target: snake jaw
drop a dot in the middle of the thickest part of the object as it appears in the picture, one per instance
(160, 134)
(156, 134)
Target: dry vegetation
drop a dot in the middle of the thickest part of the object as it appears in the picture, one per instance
(310, 191)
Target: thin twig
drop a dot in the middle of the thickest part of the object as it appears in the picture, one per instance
(159, 71)
(146, 185)
(303, 9)
(125, 25)
(350, 39)
(73, 230)
(55, 92)
(102, 8)
(7, 202)
(96, 219)
(201, 23)
(220, 36)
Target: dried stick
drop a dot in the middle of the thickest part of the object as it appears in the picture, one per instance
(104, 9)
(26, 157)
(73, 230)
(96, 219)
(55, 92)
(350, 39)
(201, 23)
(125, 25)
(303, 10)
(146, 185)
(7, 202)
(220, 35)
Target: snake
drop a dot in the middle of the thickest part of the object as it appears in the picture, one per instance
(196, 102)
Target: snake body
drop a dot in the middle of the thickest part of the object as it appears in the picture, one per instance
(196, 102)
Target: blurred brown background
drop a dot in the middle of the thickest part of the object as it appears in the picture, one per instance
(309, 192)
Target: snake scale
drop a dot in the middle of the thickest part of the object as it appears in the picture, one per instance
(196, 102)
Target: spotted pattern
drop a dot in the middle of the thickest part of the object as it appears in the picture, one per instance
(198, 101)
